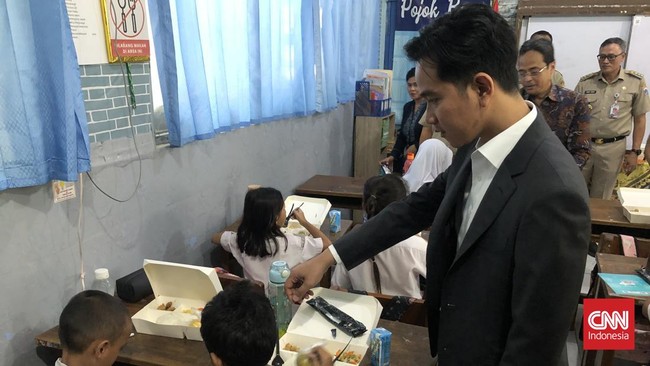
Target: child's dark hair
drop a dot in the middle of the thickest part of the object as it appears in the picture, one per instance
(238, 326)
(380, 191)
(259, 222)
(91, 315)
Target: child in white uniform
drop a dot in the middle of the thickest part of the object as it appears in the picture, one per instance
(399, 267)
(259, 241)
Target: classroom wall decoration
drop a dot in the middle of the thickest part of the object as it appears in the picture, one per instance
(415, 14)
(126, 30)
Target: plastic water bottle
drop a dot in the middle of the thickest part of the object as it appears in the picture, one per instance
(408, 162)
(102, 281)
(281, 305)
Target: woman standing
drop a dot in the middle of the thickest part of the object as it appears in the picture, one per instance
(408, 138)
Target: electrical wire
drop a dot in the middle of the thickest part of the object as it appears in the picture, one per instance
(129, 95)
(80, 232)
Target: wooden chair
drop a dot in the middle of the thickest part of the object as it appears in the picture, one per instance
(415, 314)
(611, 244)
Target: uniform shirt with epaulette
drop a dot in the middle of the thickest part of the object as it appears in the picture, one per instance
(629, 91)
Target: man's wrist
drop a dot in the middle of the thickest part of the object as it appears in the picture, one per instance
(637, 152)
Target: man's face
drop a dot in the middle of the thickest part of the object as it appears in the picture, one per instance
(536, 83)
(613, 66)
(454, 112)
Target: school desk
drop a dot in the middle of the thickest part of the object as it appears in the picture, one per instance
(409, 346)
(347, 192)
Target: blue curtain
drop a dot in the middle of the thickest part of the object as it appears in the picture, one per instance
(43, 128)
(227, 64)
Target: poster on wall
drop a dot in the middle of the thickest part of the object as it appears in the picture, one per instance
(125, 28)
(87, 31)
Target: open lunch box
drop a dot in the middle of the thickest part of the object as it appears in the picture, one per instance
(315, 210)
(308, 327)
(186, 289)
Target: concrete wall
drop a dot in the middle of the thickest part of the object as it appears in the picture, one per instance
(185, 195)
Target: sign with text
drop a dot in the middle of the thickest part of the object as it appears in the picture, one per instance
(415, 14)
(127, 36)
(608, 324)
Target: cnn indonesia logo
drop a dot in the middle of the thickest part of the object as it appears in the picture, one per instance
(608, 324)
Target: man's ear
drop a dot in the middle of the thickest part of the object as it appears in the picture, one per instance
(216, 361)
(484, 86)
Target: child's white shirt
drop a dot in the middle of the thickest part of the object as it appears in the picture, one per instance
(59, 363)
(298, 249)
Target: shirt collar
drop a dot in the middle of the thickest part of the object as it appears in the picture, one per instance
(553, 94)
(621, 76)
(497, 149)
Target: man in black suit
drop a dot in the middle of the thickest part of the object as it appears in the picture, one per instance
(511, 222)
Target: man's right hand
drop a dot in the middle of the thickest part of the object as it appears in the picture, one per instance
(306, 276)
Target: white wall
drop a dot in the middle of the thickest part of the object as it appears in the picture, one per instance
(185, 195)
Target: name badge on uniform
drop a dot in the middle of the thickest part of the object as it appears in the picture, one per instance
(614, 109)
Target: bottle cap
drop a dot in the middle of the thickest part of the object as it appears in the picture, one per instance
(101, 273)
(279, 272)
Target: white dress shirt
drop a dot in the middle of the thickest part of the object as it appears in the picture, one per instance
(433, 158)
(486, 160)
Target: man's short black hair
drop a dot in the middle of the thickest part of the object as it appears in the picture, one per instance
(540, 45)
(470, 39)
(614, 40)
(91, 315)
(542, 33)
(238, 326)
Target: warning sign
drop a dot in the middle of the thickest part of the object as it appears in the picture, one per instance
(126, 30)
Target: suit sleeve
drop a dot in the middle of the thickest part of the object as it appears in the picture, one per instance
(395, 223)
(549, 261)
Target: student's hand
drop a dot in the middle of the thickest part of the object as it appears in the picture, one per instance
(306, 276)
(387, 161)
(299, 215)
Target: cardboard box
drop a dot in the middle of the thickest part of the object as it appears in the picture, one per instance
(315, 210)
(308, 327)
(636, 204)
(188, 288)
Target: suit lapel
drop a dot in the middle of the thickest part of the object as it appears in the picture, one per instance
(453, 196)
(503, 185)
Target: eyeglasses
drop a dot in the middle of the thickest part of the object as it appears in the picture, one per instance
(610, 57)
(532, 72)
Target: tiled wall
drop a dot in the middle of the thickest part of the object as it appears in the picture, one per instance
(106, 105)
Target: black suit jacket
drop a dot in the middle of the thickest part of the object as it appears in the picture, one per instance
(508, 294)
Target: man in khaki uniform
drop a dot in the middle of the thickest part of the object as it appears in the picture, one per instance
(619, 100)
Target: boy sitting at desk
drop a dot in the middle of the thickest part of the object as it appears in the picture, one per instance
(93, 328)
(238, 328)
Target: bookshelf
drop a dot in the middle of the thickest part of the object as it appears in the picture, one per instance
(374, 137)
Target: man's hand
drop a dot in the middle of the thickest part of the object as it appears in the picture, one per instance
(630, 162)
(306, 276)
(387, 161)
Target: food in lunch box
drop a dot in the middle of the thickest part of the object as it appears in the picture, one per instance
(166, 306)
(291, 347)
(349, 357)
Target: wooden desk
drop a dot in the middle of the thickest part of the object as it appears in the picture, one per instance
(342, 192)
(607, 216)
(409, 346)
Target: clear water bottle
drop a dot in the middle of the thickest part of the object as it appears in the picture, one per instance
(281, 305)
(102, 281)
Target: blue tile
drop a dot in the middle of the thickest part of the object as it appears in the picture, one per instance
(99, 116)
(88, 81)
(125, 132)
(118, 112)
(101, 137)
(96, 127)
(97, 94)
(94, 105)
